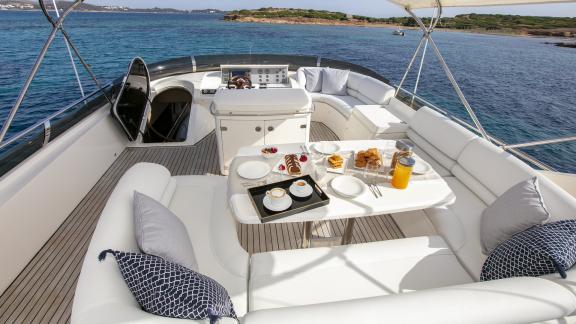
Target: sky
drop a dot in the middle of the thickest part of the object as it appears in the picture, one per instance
(373, 8)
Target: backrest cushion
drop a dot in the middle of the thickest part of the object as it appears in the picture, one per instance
(355, 81)
(498, 170)
(431, 150)
(161, 233)
(334, 81)
(375, 90)
(443, 133)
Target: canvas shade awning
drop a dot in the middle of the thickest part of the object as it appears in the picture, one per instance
(421, 4)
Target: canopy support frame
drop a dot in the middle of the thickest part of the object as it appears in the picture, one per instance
(427, 38)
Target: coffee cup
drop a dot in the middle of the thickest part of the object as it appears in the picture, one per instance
(300, 186)
(276, 195)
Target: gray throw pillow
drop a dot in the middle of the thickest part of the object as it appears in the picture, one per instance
(516, 210)
(334, 82)
(161, 233)
(313, 79)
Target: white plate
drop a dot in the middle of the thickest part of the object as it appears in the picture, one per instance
(421, 167)
(306, 191)
(253, 170)
(281, 206)
(348, 186)
(326, 147)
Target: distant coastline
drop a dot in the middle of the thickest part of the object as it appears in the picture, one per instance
(27, 5)
(471, 23)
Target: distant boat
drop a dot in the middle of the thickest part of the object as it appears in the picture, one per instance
(398, 32)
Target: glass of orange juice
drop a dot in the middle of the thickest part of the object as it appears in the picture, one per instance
(402, 172)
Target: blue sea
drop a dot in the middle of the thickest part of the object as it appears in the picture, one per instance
(521, 88)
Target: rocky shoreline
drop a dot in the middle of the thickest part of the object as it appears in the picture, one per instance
(560, 33)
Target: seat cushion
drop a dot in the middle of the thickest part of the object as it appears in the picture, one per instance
(379, 120)
(342, 104)
(443, 133)
(320, 275)
(459, 224)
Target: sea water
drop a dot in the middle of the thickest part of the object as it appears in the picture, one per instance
(521, 88)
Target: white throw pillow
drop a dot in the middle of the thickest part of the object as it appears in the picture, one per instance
(516, 210)
(313, 79)
(334, 81)
(161, 233)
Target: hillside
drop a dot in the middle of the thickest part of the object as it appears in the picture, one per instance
(63, 5)
(545, 26)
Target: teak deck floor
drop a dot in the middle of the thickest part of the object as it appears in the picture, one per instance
(44, 291)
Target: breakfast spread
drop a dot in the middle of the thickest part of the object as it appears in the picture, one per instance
(371, 156)
(292, 164)
(336, 161)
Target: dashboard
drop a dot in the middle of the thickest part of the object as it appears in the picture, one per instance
(259, 76)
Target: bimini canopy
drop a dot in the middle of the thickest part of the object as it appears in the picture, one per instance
(420, 4)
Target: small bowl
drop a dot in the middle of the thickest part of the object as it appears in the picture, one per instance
(267, 153)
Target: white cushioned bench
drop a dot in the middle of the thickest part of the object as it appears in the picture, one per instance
(320, 275)
(478, 172)
(409, 280)
(336, 111)
(103, 297)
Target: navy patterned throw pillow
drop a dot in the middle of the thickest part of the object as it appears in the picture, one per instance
(537, 251)
(169, 289)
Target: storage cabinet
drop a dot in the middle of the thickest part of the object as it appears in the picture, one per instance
(236, 133)
(283, 131)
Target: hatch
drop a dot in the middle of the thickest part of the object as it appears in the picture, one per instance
(133, 99)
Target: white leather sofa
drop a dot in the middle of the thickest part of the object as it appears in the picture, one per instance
(477, 172)
(103, 297)
(410, 280)
(338, 111)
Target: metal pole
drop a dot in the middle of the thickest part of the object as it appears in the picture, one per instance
(450, 76)
(423, 55)
(76, 52)
(409, 66)
(34, 70)
(542, 142)
(70, 53)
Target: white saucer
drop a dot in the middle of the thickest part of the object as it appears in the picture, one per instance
(348, 186)
(421, 167)
(306, 191)
(326, 148)
(278, 207)
(253, 170)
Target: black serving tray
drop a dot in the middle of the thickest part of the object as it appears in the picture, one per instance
(318, 198)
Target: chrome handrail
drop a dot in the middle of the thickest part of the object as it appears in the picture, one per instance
(50, 117)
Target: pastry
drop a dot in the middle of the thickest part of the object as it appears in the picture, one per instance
(292, 164)
(371, 155)
(336, 161)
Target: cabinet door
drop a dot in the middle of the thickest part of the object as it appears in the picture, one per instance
(283, 131)
(239, 133)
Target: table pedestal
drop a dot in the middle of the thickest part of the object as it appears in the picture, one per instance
(344, 240)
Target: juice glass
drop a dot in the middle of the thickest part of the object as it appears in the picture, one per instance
(402, 172)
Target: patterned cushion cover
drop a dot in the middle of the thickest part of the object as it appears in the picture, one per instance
(537, 251)
(169, 289)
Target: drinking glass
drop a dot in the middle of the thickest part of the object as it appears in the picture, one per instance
(320, 170)
(371, 172)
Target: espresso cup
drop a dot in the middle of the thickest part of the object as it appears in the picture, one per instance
(276, 195)
(300, 186)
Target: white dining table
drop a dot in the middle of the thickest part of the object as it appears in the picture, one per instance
(424, 191)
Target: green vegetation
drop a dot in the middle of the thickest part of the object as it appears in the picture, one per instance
(469, 21)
